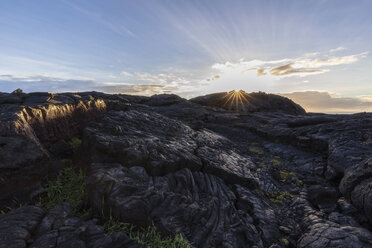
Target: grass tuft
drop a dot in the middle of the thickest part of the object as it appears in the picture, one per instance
(285, 241)
(283, 175)
(275, 162)
(293, 174)
(299, 182)
(75, 143)
(69, 186)
(256, 151)
(280, 197)
(149, 237)
(262, 165)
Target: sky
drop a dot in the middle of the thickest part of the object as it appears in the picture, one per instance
(316, 52)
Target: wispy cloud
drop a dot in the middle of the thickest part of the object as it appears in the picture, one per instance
(126, 74)
(330, 61)
(22, 66)
(213, 78)
(30, 78)
(143, 84)
(308, 64)
(137, 89)
(34, 83)
(289, 69)
(340, 48)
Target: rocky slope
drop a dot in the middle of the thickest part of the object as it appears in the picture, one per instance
(224, 170)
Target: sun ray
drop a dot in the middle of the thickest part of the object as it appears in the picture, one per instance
(237, 100)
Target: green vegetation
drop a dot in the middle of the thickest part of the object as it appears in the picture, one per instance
(256, 151)
(15, 203)
(69, 187)
(283, 175)
(280, 197)
(255, 144)
(262, 165)
(149, 237)
(275, 162)
(75, 143)
(85, 213)
(299, 182)
(285, 241)
(292, 174)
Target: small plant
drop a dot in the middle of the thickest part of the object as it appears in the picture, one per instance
(293, 174)
(283, 175)
(299, 182)
(280, 197)
(255, 151)
(262, 165)
(112, 226)
(275, 162)
(285, 241)
(75, 143)
(149, 237)
(69, 186)
(85, 213)
(255, 144)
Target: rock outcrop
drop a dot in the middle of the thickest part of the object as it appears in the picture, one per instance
(250, 102)
(224, 170)
(28, 127)
(162, 145)
(196, 204)
(32, 226)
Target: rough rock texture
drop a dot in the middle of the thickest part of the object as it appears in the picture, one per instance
(250, 102)
(33, 227)
(320, 232)
(258, 172)
(163, 145)
(28, 126)
(196, 204)
(356, 185)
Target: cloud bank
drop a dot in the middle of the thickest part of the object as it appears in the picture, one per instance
(308, 64)
(34, 83)
(315, 101)
(140, 84)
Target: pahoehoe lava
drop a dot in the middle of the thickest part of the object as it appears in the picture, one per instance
(224, 170)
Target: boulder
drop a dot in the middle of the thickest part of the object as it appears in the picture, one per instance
(197, 205)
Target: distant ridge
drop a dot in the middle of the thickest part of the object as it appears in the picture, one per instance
(250, 102)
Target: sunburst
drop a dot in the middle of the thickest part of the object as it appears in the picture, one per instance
(236, 100)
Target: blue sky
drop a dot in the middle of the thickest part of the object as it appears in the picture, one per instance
(188, 47)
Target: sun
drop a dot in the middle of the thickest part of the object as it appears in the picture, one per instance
(236, 100)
